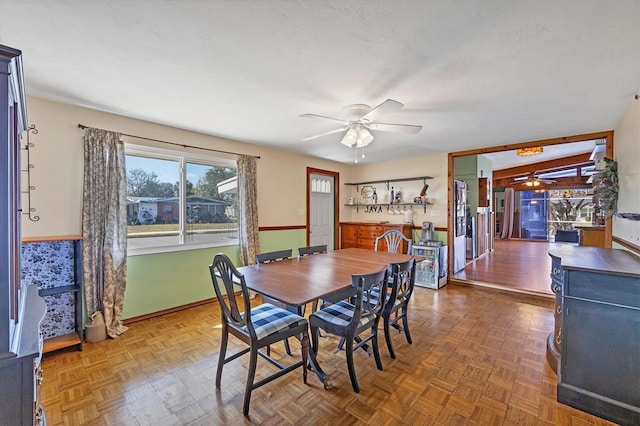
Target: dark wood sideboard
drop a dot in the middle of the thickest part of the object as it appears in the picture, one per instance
(596, 341)
(364, 234)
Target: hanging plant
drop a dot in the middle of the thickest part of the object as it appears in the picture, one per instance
(606, 188)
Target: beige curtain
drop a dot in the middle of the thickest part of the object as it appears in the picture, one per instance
(248, 209)
(104, 227)
(507, 215)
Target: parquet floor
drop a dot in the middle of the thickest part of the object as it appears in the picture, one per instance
(477, 358)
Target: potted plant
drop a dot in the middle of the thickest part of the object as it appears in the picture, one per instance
(564, 213)
(605, 191)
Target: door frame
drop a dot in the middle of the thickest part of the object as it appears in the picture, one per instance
(607, 135)
(336, 197)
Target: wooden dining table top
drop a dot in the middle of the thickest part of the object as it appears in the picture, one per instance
(298, 281)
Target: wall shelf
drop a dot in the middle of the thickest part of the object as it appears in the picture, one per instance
(387, 182)
(58, 290)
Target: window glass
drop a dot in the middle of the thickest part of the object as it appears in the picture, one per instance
(176, 201)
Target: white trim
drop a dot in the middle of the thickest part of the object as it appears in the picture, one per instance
(182, 247)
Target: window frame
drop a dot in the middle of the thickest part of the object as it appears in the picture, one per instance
(183, 158)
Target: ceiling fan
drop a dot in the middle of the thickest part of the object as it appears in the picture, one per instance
(359, 119)
(532, 181)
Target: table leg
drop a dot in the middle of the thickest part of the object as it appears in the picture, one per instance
(313, 365)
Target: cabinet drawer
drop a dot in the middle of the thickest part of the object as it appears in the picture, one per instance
(556, 270)
(603, 288)
(366, 244)
(369, 233)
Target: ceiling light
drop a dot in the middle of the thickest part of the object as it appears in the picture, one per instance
(357, 136)
(534, 150)
(350, 138)
(364, 138)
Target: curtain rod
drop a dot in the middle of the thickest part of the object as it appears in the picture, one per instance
(82, 126)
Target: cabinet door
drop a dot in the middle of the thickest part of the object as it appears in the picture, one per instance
(483, 192)
(348, 238)
(600, 354)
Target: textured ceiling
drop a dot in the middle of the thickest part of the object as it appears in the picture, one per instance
(473, 73)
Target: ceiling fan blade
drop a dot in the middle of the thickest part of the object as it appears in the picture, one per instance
(322, 117)
(325, 134)
(387, 106)
(398, 128)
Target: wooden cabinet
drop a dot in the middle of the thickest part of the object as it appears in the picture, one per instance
(21, 308)
(592, 236)
(483, 192)
(554, 341)
(599, 368)
(364, 234)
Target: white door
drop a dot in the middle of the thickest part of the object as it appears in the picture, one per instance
(321, 210)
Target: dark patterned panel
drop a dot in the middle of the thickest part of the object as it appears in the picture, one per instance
(50, 264)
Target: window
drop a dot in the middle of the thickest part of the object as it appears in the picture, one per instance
(177, 200)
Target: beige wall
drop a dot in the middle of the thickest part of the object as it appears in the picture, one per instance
(627, 152)
(431, 165)
(58, 172)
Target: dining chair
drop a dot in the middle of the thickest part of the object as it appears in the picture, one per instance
(395, 308)
(394, 240)
(350, 319)
(306, 251)
(275, 256)
(258, 327)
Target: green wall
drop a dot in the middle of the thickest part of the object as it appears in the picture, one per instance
(157, 282)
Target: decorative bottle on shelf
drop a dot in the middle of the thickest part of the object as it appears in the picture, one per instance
(374, 196)
(392, 196)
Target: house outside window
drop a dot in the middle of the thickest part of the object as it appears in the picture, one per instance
(175, 202)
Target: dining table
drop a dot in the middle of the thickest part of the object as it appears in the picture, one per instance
(299, 281)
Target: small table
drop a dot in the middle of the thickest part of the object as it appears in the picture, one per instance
(301, 280)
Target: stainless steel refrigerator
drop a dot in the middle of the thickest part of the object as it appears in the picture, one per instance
(460, 225)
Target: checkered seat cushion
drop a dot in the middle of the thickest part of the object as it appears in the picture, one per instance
(375, 295)
(269, 319)
(340, 314)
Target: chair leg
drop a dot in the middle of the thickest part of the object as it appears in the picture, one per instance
(287, 347)
(387, 337)
(374, 343)
(223, 351)
(253, 361)
(314, 339)
(304, 346)
(405, 322)
(352, 370)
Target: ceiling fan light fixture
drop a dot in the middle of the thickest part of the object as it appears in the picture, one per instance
(525, 152)
(350, 138)
(364, 138)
